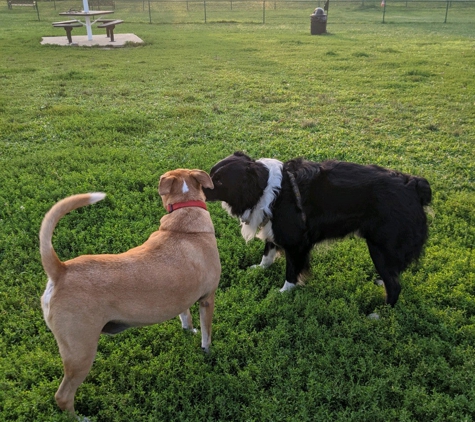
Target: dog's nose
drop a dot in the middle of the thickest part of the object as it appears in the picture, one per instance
(210, 194)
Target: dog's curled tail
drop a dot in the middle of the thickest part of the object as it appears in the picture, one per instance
(51, 263)
(423, 190)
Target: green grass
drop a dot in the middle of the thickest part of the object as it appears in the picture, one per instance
(73, 120)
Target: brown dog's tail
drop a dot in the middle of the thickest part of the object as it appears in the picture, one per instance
(51, 263)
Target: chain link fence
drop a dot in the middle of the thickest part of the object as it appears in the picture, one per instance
(278, 12)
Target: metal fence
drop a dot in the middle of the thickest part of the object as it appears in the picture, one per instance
(281, 11)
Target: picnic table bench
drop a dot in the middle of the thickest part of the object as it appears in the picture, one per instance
(27, 3)
(68, 27)
(109, 24)
(30, 3)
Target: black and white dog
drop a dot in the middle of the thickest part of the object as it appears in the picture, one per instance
(299, 203)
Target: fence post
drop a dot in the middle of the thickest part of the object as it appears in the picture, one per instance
(149, 12)
(446, 11)
(383, 3)
(264, 11)
(326, 7)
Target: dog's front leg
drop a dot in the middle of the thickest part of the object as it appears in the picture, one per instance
(270, 254)
(186, 321)
(206, 318)
(297, 263)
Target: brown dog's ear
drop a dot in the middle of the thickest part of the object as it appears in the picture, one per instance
(165, 184)
(203, 178)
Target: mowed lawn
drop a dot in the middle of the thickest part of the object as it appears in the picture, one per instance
(74, 120)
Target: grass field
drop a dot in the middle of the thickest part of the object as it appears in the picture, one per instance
(72, 120)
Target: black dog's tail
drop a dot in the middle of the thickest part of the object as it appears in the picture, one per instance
(423, 190)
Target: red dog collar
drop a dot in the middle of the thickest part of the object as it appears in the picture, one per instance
(173, 207)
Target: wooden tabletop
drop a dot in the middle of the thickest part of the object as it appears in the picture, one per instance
(83, 13)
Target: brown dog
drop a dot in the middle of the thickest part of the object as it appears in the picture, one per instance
(92, 294)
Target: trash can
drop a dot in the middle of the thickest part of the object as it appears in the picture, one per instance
(318, 22)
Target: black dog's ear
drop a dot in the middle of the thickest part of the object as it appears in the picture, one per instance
(241, 154)
(260, 173)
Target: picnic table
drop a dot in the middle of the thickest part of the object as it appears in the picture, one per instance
(87, 15)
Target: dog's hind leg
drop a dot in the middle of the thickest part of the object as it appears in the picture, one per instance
(387, 272)
(78, 355)
(393, 288)
(206, 318)
(186, 321)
